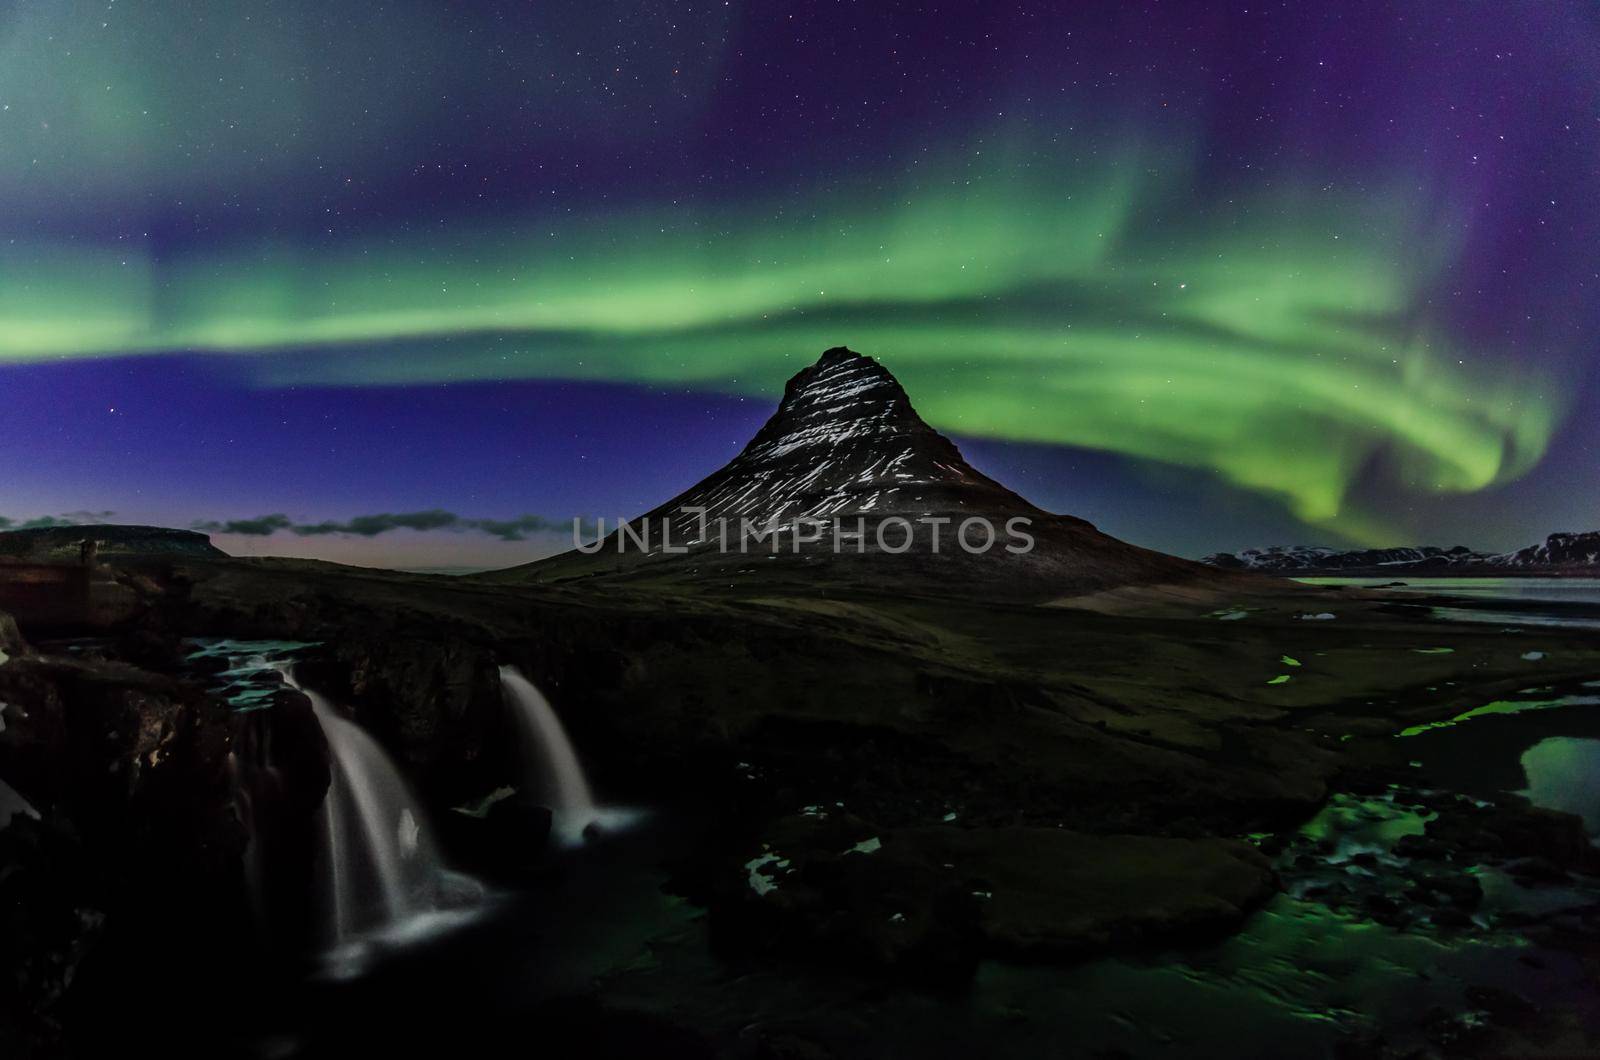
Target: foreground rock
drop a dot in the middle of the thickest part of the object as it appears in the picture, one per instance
(129, 880)
(11, 641)
(281, 773)
(928, 902)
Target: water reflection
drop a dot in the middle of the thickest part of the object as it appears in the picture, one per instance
(1564, 774)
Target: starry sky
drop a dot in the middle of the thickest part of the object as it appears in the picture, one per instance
(412, 283)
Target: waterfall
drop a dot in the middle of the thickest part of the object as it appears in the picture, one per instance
(554, 770)
(382, 866)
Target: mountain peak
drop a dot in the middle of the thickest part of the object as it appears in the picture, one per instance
(845, 441)
(846, 448)
(841, 389)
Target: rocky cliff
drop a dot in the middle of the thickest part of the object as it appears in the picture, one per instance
(64, 543)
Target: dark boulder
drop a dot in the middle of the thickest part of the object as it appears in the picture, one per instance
(281, 775)
(926, 902)
(10, 637)
(504, 838)
(149, 648)
(434, 702)
(1534, 871)
(1512, 830)
(130, 885)
(1502, 1006)
(828, 890)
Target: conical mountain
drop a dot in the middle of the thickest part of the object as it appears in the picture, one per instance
(845, 442)
(846, 454)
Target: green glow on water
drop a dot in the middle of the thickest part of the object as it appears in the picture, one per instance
(1503, 706)
(1564, 774)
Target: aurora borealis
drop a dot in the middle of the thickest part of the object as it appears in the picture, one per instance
(1209, 279)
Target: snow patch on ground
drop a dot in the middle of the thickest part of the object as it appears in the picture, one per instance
(760, 882)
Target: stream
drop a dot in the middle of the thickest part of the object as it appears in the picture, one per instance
(1368, 943)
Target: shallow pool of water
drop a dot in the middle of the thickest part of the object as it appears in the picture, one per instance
(1564, 602)
(1542, 746)
(1564, 774)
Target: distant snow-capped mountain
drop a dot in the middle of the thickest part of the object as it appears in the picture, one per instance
(1557, 551)
(1565, 553)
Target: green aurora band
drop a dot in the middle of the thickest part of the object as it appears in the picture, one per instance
(1283, 342)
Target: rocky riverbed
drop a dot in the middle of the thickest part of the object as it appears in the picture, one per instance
(861, 803)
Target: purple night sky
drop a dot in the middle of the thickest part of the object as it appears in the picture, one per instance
(504, 261)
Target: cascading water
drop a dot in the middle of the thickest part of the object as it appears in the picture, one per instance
(554, 770)
(382, 866)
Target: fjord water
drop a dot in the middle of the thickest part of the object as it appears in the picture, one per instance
(1572, 602)
(1556, 590)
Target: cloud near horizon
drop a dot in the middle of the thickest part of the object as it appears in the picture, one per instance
(516, 529)
(47, 522)
(367, 526)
